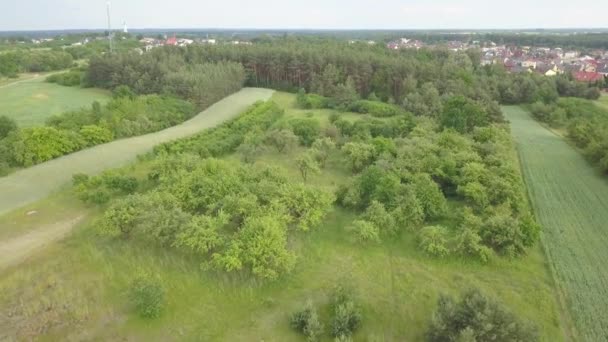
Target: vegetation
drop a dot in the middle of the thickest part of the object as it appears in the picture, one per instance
(33, 101)
(14, 62)
(585, 124)
(477, 318)
(147, 295)
(73, 131)
(397, 284)
(569, 199)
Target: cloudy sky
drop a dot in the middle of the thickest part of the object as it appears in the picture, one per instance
(327, 14)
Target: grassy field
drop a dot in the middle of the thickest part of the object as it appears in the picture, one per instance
(571, 201)
(31, 100)
(37, 182)
(603, 101)
(76, 290)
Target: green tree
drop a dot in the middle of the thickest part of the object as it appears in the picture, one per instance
(359, 154)
(7, 125)
(307, 165)
(282, 139)
(462, 114)
(321, 149)
(477, 317)
(432, 240)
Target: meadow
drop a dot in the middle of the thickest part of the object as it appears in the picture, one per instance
(36, 182)
(570, 199)
(603, 101)
(31, 100)
(77, 289)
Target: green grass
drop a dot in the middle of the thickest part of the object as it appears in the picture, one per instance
(31, 101)
(34, 183)
(603, 101)
(571, 201)
(78, 289)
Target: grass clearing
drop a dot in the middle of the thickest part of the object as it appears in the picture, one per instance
(77, 289)
(603, 101)
(34, 183)
(32, 100)
(571, 201)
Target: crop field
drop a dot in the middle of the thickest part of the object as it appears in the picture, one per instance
(571, 201)
(38, 181)
(75, 290)
(32, 100)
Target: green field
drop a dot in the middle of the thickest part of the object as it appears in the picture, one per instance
(75, 290)
(603, 101)
(32, 100)
(37, 182)
(571, 201)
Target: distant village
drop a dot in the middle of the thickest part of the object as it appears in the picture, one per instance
(589, 67)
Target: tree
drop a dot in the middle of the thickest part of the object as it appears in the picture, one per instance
(307, 129)
(282, 139)
(477, 317)
(307, 165)
(360, 155)
(346, 314)
(264, 246)
(366, 231)
(147, 295)
(321, 149)
(462, 114)
(432, 241)
(306, 321)
(7, 125)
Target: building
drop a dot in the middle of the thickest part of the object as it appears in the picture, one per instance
(584, 76)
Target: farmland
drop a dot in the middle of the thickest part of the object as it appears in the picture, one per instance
(76, 289)
(32, 100)
(571, 201)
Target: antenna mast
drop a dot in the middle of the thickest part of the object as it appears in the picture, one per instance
(110, 29)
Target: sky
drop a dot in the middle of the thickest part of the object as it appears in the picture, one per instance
(307, 14)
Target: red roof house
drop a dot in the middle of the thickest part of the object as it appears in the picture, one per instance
(584, 76)
(171, 41)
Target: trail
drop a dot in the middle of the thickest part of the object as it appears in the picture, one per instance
(34, 183)
(570, 199)
(15, 250)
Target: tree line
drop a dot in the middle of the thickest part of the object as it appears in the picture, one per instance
(14, 62)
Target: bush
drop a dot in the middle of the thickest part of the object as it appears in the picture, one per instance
(432, 241)
(147, 295)
(366, 231)
(308, 130)
(477, 318)
(71, 78)
(346, 314)
(307, 322)
(375, 108)
(7, 125)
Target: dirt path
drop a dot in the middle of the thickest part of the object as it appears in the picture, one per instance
(15, 250)
(34, 183)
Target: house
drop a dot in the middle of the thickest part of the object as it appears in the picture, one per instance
(570, 54)
(584, 76)
(603, 70)
(529, 63)
(171, 41)
(208, 41)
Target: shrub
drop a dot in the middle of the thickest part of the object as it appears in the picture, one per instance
(346, 314)
(7, 125)
(432, 241)
(375, 108)
(366, 231)
(281, 139)
(308, 130)
(477, 318)
(147, 295)
(307, 322)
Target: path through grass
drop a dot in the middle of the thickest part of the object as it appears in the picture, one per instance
(31, 101)
(571, 201)
(39, 181)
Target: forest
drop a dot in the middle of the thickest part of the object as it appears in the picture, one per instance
(14, 62)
